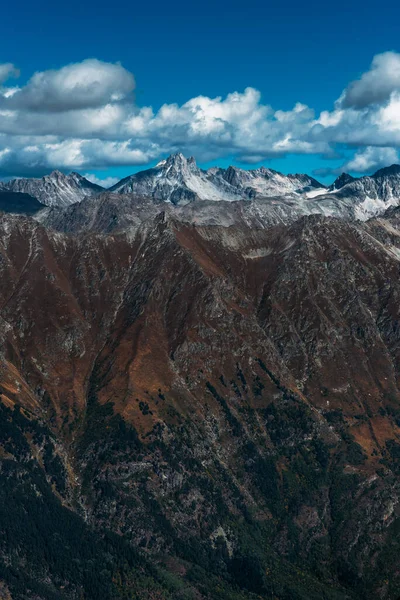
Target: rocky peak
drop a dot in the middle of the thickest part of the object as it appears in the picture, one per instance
(387, 171)
(176, 160)
(55, 189)
(340, 181)
(267, 173)
(56, 174)
(231, 174)
(177, 166)
(78, 176)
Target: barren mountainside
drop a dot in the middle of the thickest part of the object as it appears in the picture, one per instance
(200, 410)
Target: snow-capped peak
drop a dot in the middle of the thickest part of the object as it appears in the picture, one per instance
(179, 180)
(342, 180)
(55, 189)
(176, 159)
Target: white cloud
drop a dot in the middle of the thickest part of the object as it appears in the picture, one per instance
(388, 117)
(371, 159)
(32, 155)
(83, 116)
(7, 70)
(377, 84)
(105, 182)
(91, 83)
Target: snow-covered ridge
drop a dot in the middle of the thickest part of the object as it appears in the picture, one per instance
(365, 197)
(176, 180)
(179, 180)
(55, 189)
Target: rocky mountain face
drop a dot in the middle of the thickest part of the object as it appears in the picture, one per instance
(365, 197)
(376, 193)
(114, 212)
(260, 198)
(263, 194)
(340, 181)
(179, 180)
(206, 411)
(55, 189)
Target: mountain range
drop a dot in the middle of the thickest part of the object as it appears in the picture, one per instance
(113, 211)
(178, 180)
(56, 189)
(200, 399)
(190, 192)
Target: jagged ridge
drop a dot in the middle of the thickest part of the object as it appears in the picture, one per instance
(179, 180)
(225, 399)
(56, 189)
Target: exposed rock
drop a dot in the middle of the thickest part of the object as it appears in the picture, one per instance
(224, 400)
(56, 189)
(179, 180)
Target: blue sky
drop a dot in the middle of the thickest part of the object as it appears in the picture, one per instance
(290, 52)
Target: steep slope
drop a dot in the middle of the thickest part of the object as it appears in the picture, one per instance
(376, 193)
(365, 197)
(113, 212)
(178, 180)
(106, 213)
(55, 189)
(260, 198)
(224, 399)
(264, 182)
(341, 181)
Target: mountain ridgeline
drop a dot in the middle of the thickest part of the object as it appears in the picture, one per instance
(200, 387)
(56, 189)
(178, 182)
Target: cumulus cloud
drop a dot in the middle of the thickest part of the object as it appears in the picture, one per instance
(371, 159)
(83, 116)
(89, 84)
(105, 182)
(31, 157)
(7, 70)
(377, 84)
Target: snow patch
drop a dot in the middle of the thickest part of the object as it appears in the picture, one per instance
(316, 192)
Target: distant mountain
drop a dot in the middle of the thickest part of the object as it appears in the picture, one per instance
(113, 211)
(56, 189)
(360, 198)
(374, 194)
(178, 184)
(341, 181)
(105, 213)
(19, 203)
(179, 180)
